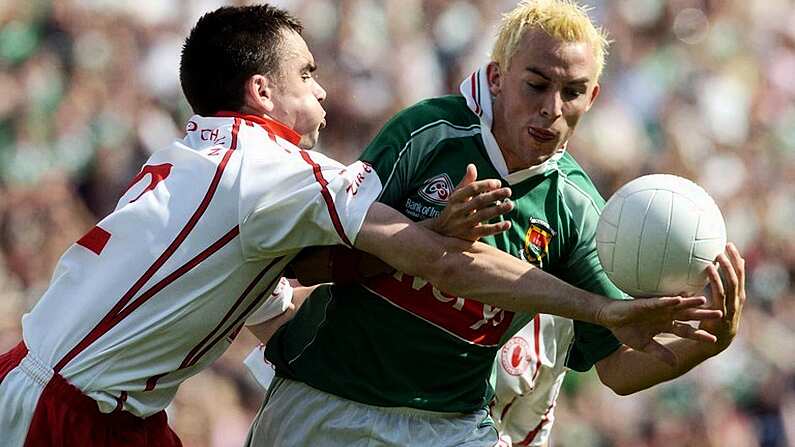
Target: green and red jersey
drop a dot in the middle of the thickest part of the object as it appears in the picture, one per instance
(397, 340)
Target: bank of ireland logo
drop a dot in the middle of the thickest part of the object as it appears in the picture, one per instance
(437, 190)
(536, 241)
(515, 356)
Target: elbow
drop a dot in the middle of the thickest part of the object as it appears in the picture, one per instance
(614, 377)
(621, 390)
(624, 386)
(619, 387)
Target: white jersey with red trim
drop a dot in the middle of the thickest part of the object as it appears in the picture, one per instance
(529, 371)
(159, 288)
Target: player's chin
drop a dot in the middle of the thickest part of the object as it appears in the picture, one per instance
(542, 150)
(309, 140)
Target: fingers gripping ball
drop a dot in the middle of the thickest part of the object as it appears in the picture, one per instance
(657, 234)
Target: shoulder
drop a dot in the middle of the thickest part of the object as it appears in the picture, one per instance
(577, 188)
(435, 113)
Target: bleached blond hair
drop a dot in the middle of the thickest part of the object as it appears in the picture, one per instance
(564, 20)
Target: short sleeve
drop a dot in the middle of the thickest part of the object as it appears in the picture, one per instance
(591, 344)
(291, 199)
(396, 154)
(583, 269)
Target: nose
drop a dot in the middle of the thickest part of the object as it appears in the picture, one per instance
(552, 106)
(320, 92)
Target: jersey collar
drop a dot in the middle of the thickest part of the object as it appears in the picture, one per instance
(475, 90)
(270, 125)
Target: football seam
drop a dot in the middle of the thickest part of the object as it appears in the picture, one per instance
(640, 239)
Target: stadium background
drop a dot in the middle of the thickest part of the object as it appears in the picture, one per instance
(699, 88)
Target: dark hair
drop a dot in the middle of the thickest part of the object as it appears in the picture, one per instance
(227, 47)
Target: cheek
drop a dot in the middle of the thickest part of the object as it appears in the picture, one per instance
(573, 113)
(310, 112)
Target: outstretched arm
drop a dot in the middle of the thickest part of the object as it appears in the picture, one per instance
(486, 274)
(627, 370)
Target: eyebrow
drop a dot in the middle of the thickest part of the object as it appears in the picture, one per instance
(539, 72)
(310, 67)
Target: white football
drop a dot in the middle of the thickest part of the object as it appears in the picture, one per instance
(657, 234)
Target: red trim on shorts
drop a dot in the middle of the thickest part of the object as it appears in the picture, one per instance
(12, 359)
(116, 314)
(95, 240)
(66, 416)
(270, 125)
(332, 210)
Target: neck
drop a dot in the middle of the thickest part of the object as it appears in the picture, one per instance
(248, 110)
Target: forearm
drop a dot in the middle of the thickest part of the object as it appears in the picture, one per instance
(472, 270)
(628, 371)
(488, 275)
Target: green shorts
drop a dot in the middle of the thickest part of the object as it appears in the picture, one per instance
(295, 414)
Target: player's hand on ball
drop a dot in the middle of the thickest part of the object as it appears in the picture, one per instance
(727, 293)
(471, 204)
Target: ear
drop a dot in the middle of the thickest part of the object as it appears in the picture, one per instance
(594, 95)
(494, 78)
(258, 94)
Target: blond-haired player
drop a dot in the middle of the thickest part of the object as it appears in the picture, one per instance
(396, 360)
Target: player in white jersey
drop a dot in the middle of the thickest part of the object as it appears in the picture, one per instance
(158, 289)
(528, 374)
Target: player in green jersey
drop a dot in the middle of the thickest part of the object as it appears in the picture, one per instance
(394, 360)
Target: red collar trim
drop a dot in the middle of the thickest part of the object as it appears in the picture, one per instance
(268, 124)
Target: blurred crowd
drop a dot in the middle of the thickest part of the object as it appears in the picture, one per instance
(700, 88)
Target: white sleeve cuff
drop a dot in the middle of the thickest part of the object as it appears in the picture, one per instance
(275, 305)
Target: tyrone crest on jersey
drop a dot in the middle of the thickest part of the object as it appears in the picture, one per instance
(536, 241)
(515, 356)
(437, 190)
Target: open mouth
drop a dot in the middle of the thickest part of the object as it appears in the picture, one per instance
(542, 135)
(322, 123)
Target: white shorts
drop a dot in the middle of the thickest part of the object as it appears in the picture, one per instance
(295, 414)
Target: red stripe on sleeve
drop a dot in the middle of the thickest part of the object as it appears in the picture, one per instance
(95, 240)
(332, 210)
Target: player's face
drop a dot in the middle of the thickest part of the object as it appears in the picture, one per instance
(297, 96)
(540, 98)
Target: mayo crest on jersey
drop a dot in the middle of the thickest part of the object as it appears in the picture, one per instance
(160, 287)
